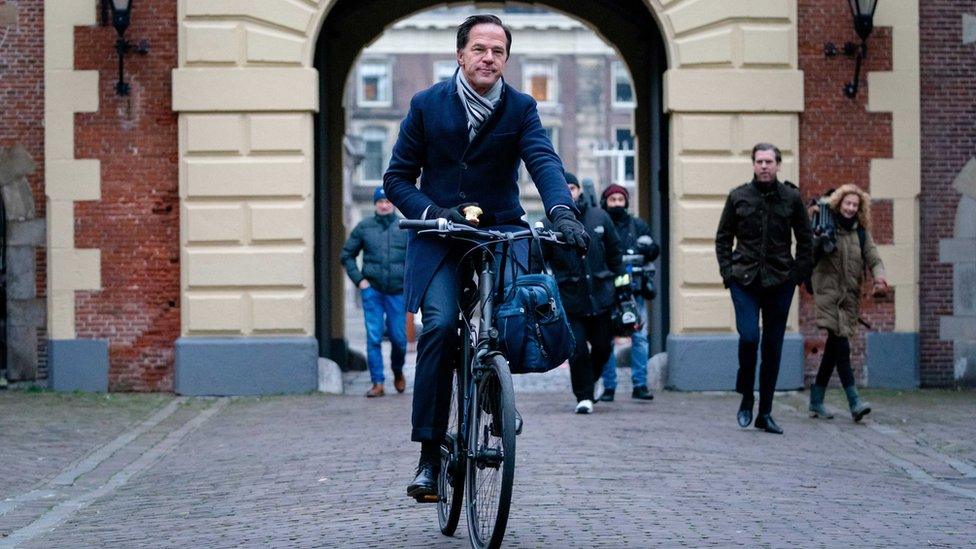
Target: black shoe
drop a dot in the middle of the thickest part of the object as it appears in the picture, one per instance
(766, 423)
(607, 395)
(424, 485)
(744, 416)
(641, 392)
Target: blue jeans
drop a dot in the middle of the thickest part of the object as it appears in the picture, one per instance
(638, 356)
(384, 312)
(773, 304)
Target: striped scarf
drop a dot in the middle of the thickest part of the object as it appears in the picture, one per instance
(478, 107)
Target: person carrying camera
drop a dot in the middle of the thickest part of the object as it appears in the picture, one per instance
(841, 258)
(616, 200)
(587, 292)
(762, 274)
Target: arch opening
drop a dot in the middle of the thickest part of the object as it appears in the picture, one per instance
(349, 26)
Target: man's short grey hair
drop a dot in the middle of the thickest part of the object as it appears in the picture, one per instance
(767, 147)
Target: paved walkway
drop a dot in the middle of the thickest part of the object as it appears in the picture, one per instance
(330, 471)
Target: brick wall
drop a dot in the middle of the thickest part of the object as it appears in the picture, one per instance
(136, 222)
(948, 142)
(838, 137)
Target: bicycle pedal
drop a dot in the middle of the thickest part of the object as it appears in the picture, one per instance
(427, 498)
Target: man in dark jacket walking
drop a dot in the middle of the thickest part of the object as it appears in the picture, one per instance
(384, 248)
(762, 274)
(586, 288)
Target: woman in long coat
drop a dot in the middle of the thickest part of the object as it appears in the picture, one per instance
(837, 279)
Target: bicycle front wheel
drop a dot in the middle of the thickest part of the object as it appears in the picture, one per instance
(491, 459)
(450, 481)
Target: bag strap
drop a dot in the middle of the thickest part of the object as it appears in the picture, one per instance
(542, 255)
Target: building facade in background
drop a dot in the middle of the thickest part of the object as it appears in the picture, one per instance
(184, 237)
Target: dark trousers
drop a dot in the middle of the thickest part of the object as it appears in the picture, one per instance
(837, 352)
(438, 346)
(773, 305)
(586, 365)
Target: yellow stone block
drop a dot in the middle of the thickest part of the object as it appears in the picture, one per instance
(292, 15)
(906, 221)
(214, 222)
(245, 89)
(241, 267)
(215, 313)
(698, 265)
(247, 177)
(768, 46)
(704, 133)
(73, 179)
(61, 314)
(906, 308)
(281, 312)
(271, 222)
(696, 220)
(73, 269)
(266, 46)
(703, 311)
(212, 43)
(780, 130)
(214, 133)
(901, 263)
(70, 91)
(895, 178)
(713, 177)
(59, 135)
(733, 90)
(60, 224)
(281, 133)
(707, 48)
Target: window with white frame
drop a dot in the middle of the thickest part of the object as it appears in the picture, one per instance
(373, 87)
(374, 153)
(444, 70)
(539, 81)
(623, 172)
(623, 90)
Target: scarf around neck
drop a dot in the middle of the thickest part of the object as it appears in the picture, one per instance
(477, 107)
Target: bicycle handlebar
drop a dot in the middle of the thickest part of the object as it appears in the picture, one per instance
(444, 227)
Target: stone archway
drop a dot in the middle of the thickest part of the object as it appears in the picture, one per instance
(960, 327)
(246, 92)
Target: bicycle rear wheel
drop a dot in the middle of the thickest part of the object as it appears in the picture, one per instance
(491, 463)
(450, 480)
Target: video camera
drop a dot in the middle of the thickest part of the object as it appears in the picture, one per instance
(824, 228)
(640, 266)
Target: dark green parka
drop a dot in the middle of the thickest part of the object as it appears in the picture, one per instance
(762, 225)
(384, 248)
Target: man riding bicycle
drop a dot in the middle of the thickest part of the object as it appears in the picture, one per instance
(464, 139)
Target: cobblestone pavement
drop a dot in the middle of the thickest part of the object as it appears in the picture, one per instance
(330, 471)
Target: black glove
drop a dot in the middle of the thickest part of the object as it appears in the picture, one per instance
(450, 214)
(573, 231)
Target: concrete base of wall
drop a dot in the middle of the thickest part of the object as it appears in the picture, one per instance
(245, 366)
(78, 365)
(709, 362)
(892, 360)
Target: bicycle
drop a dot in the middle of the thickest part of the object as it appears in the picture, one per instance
(478, 451)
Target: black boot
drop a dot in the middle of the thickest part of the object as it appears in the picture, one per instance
(641, 392)
(424, 485)
(744, 417)
(859, 408)
(607, 395)
(766, 423)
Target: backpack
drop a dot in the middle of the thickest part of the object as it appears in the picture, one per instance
(533, 331)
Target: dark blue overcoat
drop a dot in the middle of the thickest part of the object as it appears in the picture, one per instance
(433, 146)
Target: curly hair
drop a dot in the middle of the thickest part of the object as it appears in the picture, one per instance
(863, 209)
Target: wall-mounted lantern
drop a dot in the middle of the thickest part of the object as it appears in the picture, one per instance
(863, 13)
(121, 16)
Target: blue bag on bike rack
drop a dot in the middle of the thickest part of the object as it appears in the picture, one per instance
(533, 331)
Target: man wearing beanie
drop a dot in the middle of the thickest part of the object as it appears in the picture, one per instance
(384, 248)
(615, 200)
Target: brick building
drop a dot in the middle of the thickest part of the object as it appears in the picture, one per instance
(183, 236)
